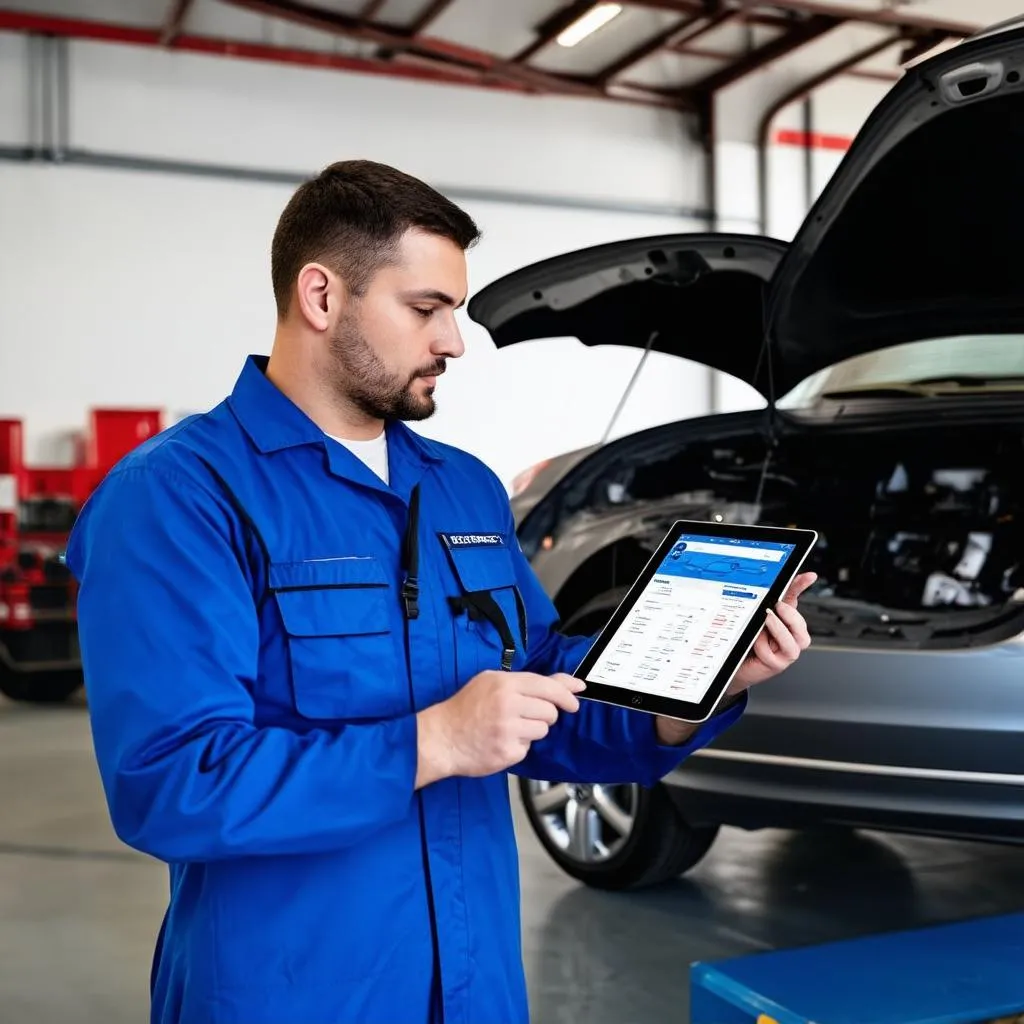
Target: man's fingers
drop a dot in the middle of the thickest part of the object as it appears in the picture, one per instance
(764, 653)
(538, 709)
(532, 730)
(784, 639)
(799, 585)
(574, 684)
(553, 689)
(796, 624)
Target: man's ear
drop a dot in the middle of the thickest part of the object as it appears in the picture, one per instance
(318, 295)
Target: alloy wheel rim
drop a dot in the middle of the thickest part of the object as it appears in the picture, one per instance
(587, 822)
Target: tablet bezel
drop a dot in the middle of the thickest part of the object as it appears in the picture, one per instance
(803, 541)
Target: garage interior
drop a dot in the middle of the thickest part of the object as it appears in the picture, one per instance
(146, 149)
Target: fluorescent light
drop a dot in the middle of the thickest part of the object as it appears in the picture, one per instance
(587, 24)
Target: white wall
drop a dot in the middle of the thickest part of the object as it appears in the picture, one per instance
(132, 289)
(121, 287)
(128, 288)
(246, 113)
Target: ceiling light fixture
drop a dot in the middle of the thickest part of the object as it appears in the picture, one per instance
(587, 24)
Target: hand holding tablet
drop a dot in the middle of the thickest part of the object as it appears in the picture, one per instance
(709, 597)
(779, 644)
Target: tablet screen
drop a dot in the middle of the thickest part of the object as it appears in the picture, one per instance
(697, 604)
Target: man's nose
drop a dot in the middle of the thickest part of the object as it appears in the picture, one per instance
(449, 342)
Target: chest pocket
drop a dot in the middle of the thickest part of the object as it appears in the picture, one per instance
(489, 618)
(341, 648)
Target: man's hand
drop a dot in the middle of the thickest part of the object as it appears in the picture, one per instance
(779, 645)
(489, 724)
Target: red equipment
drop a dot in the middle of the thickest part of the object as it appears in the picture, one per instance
(39, 655)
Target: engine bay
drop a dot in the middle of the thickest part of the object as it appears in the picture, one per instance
(921, 533)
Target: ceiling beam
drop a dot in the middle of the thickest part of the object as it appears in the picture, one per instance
(416, 69)
(239, 49)
(671, 39)
(891, 16)
(924, 43)
(429, 49)
(696, 8)
(874, 76)
(710, 24)
(769, 20)
(176, 15)
(412, 31)
(804, 33)
(371, 10)
(691, 7)
(429, 15)
(659, 90)
(550, 29)
(707, 52)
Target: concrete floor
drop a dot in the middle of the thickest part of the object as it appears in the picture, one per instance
(78, 912)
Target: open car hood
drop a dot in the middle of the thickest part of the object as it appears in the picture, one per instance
(916, 236)
(700, 297)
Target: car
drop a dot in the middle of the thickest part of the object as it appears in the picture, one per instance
(887, 341)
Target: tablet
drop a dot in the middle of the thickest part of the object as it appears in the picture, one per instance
(677, 639)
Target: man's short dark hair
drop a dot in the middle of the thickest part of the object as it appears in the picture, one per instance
(351, 216)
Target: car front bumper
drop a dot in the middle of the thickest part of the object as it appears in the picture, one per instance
(910, 742)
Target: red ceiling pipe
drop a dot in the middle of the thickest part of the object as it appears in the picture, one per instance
(886, 15)
(107, 32)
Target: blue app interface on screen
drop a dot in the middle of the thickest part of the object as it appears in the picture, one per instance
(681, 629)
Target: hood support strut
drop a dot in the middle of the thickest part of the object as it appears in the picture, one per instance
(629, 387)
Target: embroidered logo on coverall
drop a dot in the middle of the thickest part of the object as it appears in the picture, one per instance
(473, 540)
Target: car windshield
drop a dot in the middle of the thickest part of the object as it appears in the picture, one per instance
(937, 366)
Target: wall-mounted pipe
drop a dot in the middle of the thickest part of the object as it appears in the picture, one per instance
(807, 107)
(800, 92)
(227, 172)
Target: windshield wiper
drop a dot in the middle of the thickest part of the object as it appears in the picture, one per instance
(969, 380)
(930, 387)
(878, 391)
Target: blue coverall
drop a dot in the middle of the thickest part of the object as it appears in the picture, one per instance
(253, 677)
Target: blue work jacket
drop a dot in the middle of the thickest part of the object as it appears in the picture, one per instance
(253, 677)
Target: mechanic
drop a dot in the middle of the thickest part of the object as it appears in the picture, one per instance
(313, 649)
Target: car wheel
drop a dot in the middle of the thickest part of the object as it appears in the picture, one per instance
(619, 836)
(39, 687)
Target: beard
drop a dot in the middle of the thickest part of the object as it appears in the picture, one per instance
(359, 375)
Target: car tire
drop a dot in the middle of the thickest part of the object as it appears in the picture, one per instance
(658, 845)
(39, 687)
